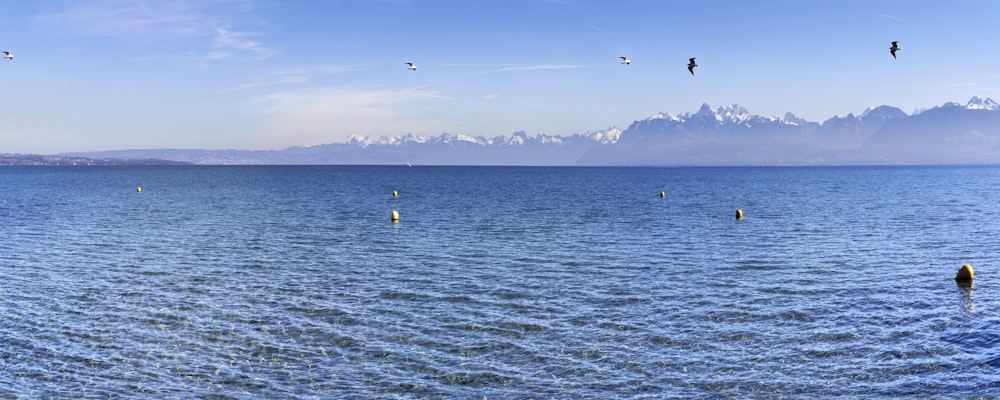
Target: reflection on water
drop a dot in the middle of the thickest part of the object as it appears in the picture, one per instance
(966, 289)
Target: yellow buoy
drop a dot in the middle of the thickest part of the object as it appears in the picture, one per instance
(964, 274)
(395, 216)
(138, 189)
(662, 195)
(394, 194)
(739, 213)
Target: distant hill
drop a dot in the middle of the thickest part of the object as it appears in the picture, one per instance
(951, 133)
(63, 160)
(729, 135)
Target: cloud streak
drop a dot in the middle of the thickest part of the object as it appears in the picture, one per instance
(887, 16)
(322, 115)
(135, 20)
(540, 67)
(294, 75)
(237, 41)
(207, 27)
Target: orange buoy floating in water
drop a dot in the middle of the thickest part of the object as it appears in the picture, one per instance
(739, 214)
(964, 274)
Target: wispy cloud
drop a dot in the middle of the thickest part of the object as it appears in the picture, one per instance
(134, 20)
(597, 28)
(206, 26)
(465, 65)
(964, 84)
(295, 75)
(894, 18)
(539, 67)
(324, 115)
(237, 41)
(981, 88)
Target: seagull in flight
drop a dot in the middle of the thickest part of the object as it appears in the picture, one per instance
(411, 66)
(691, 66)
(625, 60)
(8, 55)
(895, 47)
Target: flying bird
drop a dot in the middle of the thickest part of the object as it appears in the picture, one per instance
(691, 66)
(625, 60)
(895, 47)
(411, 66)
(8, 55)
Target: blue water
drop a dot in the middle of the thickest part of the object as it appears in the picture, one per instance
(292, 282)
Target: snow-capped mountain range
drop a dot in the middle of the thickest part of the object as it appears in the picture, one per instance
(951, 133)
(520, 138)
(727, 135)
(978, 104)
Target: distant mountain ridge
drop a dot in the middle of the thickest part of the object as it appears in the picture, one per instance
(952, 133)
(727, 135)
(611, 135)
(7, 159)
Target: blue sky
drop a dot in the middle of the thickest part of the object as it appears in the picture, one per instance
(266, 74)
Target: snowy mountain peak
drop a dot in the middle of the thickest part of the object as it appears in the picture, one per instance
(882, 113)
(734, 113)
(470, 139)
(362, 141)
(612, 135)
(705, 115)
(975, 103)
(666, 116)
(705, 110)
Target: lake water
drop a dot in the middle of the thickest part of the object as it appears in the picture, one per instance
(499, 282)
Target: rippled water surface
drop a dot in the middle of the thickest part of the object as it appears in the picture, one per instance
(292, 282)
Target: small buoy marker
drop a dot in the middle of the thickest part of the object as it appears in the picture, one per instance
(138, 189)
(662, 195)
(395, 216)
(739, 213)
(394, 194)
(964, 274)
